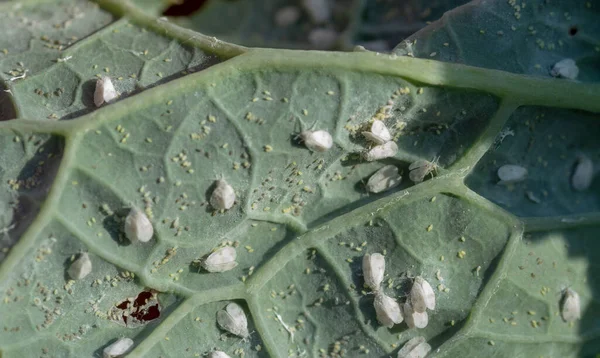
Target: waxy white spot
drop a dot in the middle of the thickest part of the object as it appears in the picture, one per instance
(414, 319)
(118, 348)
(384, 179)
(583, 174)
(388, 310)
(511, 173)
(416, 347)
(571, 306)
(373, 270)
(218, 354)
(317, 141)
(379, 133)
(566, 68)
(420, 168)
(221, 260)
(138, 227)
(381, 151)
(223, 197)
(422, 296)
(80, 267)
(105, 91)
(233, 320)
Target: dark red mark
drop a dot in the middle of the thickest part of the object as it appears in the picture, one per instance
(184, 8)
(573, 30)
(140, 311)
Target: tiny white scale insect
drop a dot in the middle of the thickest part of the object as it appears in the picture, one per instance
(421, 295)
(511, 173)
(382, 151)
(384, 179)
(566, 68)
(233, 320)
(223, 197)
(415, 319)
(583, 174)
(118, 348)
(138, 227)
(416, 347)
(388, 310)
(571, 306)
(373, 270)
(379, 133)
(317, 141)
(218, 354)
(105, 91)
(420, 168)
(223, 259)
(80, 267)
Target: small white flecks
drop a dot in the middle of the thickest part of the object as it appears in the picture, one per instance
(318, 10)
(287, 16)
(583, 174)
(118, 348)
(415, 319)
(531, 196)
(223, 197)
(317, 141)
(571, 306)
(221, 260)
(379, 133)
(384, 179)
(323, 38)
(422, 296)
(566, 68)
(373, 270)
(511, 173)
(381, 151)
(80, 267)
(233, 320)
(138, 227)
(420, 168)
(416, 347)
(218, 354)
(388, 310)
(105, 91)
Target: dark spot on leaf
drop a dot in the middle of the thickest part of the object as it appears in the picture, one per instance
(141, 310)
(573, 31)
(184, 8)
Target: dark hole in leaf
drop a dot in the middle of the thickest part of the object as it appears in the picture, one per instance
(140, 310)
(184, 8)
(573, 30)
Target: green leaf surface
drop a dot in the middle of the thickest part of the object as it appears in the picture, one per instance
(302, 220)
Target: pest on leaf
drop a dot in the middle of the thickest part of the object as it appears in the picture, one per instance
(388, 310)
(223, 259)
(571, 307)
(218, 354)
(413, 318)
(138, 227)
(373, 270)
(384, 179)
(118, 348)
(420, 168)
(422, 296)
(317, 141)
(416, 347)
(511, 173)
(566, 68)
(583, 174)
(379, 133)
(105, 91)
(233, 320)
(80, 267)
(382, 151)
(223, 196)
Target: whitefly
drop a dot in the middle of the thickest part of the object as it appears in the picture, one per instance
(223, 259)
(138, 227)
(416, 347)
(387, 310)
(105, 91)
(117, 349)
(233, 320)
(373, 270)
(384, 179)
(422, 295)
(223, 196)
(81, 267)
(382, 151)
(379, 133)
(421, 168)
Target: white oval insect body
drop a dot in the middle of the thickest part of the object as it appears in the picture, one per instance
(118, 348)
(382, 151)
(218, 354)
(420, 168)
(80, 267)
(422, 296)
(583, 174)
(221, 260)
(571, 306)
(233, 320)
(379, 133)
(373, 270)
(105, 91)
(566, 68)
(138, 227)
(511, 173)
(317, 141)
(416, 347)
(384, 179)
(413, 318)
(223, 197)
(388, 310)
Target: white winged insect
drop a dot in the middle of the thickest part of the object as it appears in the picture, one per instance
(413, 318)
(218, 354)
(382, 151)
(388, 310)
(422, 296)
(223, 196)
(583, 173)
(138, 227)
(223, 259)
(379, 133)
(80, 267)
(233, 320)
(571, 305)
(105, 91)
(384, 179)
(566, 68)
(421, 168)
(315, 140)
(118, 348)
(511, 173)
(416, 347)
(373, 270)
